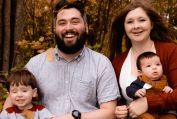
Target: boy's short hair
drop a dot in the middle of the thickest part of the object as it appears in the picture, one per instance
(143, 56)
(67, 4)
(21, 77)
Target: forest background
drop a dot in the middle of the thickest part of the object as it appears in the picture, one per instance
(27, 27)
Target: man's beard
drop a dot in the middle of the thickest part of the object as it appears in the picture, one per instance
(71, 49)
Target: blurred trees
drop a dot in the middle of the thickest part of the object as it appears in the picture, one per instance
(28, 26)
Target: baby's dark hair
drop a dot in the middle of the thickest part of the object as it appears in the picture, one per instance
(21, 77)
(143, 56)
(67, 4)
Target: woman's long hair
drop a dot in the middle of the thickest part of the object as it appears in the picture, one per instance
(160, 32)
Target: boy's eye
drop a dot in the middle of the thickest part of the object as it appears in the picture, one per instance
(24, 90)
(14, 91)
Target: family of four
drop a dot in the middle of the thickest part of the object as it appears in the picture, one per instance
(75, 82)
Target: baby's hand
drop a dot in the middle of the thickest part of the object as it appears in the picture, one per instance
(168, 89)
(140, 93)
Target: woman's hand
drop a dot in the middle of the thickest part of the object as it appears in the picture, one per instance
(121, 111)
(138, 107)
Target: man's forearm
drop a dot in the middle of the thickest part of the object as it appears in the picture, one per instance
(106, 111)
(99, 114)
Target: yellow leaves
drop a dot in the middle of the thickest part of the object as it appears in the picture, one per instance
(42, 7)
(93, 1)
(38, 13)
(46, 8)
(52, 1)
(36, 45)
(23, 44)
(39, 45)
(41, 39)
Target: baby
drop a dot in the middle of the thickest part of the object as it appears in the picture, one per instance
(150, 81)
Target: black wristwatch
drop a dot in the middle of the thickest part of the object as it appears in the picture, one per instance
(76, 114)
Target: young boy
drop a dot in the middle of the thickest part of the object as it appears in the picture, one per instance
(22, 88)
(150, 80)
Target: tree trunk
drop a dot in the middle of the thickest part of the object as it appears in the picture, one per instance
(18, 30)
(5, 34)
(1, 32)
(10, 31)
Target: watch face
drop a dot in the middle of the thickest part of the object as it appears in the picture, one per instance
(76, 114)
